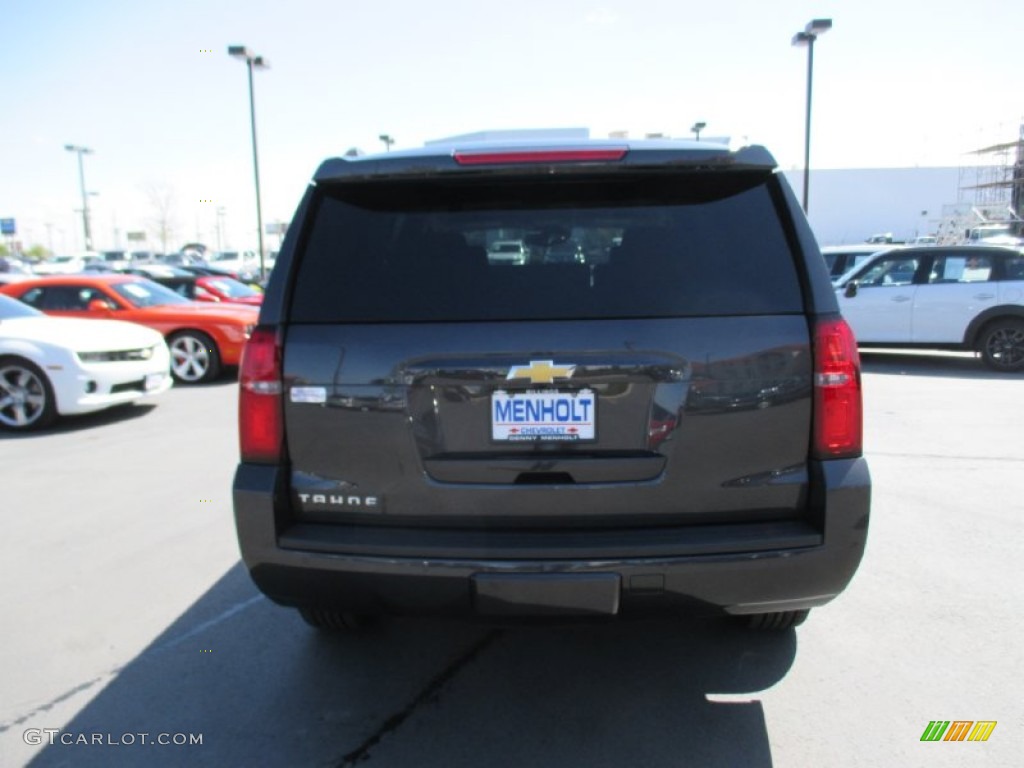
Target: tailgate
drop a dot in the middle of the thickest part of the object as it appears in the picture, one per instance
(550, 424)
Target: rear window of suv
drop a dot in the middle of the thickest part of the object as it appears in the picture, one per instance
(665, 245)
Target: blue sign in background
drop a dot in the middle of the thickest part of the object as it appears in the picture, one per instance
(7, 226)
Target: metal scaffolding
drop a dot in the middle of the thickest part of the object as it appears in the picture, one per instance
(991, 191)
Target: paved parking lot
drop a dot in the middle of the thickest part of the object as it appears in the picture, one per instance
(126, 612)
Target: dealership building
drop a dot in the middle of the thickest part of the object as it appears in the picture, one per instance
(849, 205)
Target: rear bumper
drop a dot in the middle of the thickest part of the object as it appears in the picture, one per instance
(737, 569)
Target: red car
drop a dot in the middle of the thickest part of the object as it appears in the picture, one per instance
(202, 337)
(227, 290)
(214, 289)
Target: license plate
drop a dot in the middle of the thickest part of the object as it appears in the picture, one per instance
(153, 381)
(543, 416)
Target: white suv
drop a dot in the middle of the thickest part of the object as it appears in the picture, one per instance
(955, 297)
(244, 264)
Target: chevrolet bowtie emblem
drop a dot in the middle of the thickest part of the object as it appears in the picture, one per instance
(541, 371)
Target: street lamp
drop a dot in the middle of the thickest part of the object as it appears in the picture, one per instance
(811, 32)
(253, 62)
(697, 128)
(85, 199)
(388, 141)
(220, 226)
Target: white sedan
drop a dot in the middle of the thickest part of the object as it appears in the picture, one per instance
(57, 366)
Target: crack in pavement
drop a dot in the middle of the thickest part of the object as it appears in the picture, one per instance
(393, 723)
(150, 651)
(4, 727)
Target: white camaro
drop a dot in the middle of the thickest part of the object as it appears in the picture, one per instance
(57, 366)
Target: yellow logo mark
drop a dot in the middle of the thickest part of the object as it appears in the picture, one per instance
(541, 371)
(982, 730)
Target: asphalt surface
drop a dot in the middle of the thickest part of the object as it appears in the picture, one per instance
(126, 612)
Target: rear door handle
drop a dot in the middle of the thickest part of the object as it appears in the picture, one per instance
(984, 296)
(901, 299)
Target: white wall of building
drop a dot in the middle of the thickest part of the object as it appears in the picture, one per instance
(850, 205)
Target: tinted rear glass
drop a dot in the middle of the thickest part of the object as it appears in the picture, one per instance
(640, 246)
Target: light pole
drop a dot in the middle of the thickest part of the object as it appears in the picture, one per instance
(85, 199)
(220, 226)
(253, 62)
(814, 28)
(697, 128)
(388, 141)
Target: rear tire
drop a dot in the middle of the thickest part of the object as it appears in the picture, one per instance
(194, 357)
(327, 620)
(26, 397)
(1002, 345)
(777, 621)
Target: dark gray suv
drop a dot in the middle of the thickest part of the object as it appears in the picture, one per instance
(670, 422)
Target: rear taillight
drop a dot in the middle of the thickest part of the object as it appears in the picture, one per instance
(525, 156)
(838, 412)
(260, 417)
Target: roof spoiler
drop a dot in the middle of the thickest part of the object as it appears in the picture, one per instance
(445, 160)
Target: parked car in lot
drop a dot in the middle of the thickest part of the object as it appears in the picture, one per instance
(61, 265)
(242, 265)
(116, 260)
(840, 259)
(101, 268)
(228, 291)
(940, 297)
(11, 265)
(507, 252)
(424, 429)
(202, 337)
(567, 252)
(156, 271)
(52, 366)
(181, 259)
(197, 249)
(996, 233)
(211, 289)
(206, 269)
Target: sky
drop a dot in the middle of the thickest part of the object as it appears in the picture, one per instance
(149, 87)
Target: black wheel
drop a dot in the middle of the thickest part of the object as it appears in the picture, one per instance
(333, 621)
(26, 397)
(1002, 345)
(777, 621)
(194, 357)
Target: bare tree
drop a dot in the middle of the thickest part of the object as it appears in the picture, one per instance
(162, 223)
